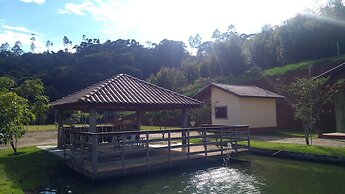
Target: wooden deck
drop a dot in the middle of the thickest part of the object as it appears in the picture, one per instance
(111, 154)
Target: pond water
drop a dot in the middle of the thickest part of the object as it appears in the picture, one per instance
(257, 174)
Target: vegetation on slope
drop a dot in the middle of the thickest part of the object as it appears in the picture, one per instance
(276, 71)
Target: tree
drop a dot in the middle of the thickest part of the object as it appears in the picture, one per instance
(201, 115)
(308, 98)
(14, 113)
(170, 53)
(19, 106)
(4, 47)
(66, 43)
(194, 41)
(49, 45)
(32, 46)
(33, 91)
(216, 34)
(16, 49)
(6, 84)
(169, 78)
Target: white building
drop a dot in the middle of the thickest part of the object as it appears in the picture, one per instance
(241, 105)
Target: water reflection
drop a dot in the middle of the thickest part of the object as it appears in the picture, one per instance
(223, 180)
(258, 175)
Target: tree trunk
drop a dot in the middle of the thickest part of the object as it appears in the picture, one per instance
(306, 139)
(306, 135)
(14, 147)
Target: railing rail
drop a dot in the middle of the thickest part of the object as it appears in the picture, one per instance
(93, 151)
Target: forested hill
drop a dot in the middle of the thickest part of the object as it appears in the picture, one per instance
(229, 57)
(64, 72)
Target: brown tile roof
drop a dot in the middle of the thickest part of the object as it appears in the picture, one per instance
(241, 91)
(127, 93)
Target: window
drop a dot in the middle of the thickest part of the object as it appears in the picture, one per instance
(221, 112)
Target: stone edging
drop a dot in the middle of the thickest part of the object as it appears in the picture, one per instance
(339, 160)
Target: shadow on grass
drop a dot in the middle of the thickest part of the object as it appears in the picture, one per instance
(29, 170)
(340, 152)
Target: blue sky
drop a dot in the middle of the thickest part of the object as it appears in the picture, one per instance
(143, 20)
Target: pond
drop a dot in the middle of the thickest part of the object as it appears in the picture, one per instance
(256, 174)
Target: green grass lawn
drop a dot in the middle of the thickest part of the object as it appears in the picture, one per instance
(313, 149)
(50, 127)
(28, 171)
(289, 133)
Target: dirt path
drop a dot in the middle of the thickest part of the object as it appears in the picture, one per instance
(37, 138)
(300, 140)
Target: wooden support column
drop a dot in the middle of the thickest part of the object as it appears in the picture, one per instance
(93, 129)
(184, 125)
(60, 140)
(140, 115)
(92, 120)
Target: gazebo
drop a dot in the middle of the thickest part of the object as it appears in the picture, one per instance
(98, 154)
(122, 93)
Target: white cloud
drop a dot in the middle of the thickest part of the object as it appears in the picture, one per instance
(39, 2)
(18, 28)
(77, 9)
(11, 37)
(12, 34)
(154, 20)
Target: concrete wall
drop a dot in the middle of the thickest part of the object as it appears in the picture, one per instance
(255, 112)
(221, 98)
(258, 112)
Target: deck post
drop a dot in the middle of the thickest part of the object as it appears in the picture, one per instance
(139, 114)
(188, 144)
(60, 141)
(94, 155)
(169, 148)
(236, 139)
(147, 152)
(92, 120)
(221, 141)
(205, 142)
(123, 154)
(93, 129)
(82, 139)
(184, 125)
(248, 136)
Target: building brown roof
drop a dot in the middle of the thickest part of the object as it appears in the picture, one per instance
(240, 91)
(125, 92)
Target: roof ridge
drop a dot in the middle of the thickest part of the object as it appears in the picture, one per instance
(106, 83)
(159, 87)
(236, 85)
(242, 90)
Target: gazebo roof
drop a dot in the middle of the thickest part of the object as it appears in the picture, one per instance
(124, 92)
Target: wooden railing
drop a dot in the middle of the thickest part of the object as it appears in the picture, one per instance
(118, 152)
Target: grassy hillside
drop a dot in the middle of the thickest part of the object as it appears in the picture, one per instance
(277, 71)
